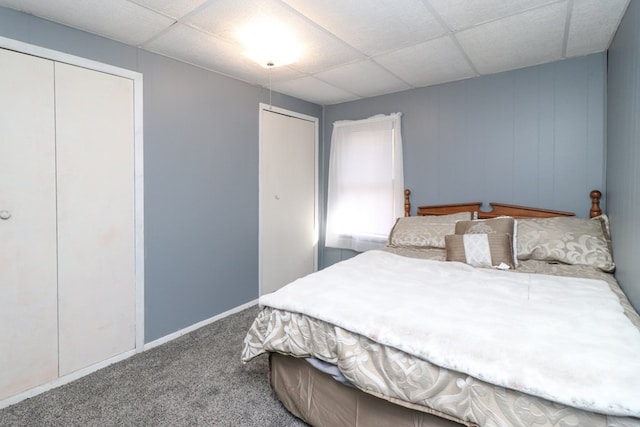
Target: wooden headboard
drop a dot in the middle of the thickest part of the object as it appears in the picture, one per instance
(497, 209)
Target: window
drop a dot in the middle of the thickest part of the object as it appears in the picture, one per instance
(366, 184)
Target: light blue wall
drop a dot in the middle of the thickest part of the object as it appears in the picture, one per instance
(201, 175)
(533, 137)
(623, 151)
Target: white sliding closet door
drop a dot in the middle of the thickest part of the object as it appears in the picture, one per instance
(28, 290)
(288, 235)
(96, 247)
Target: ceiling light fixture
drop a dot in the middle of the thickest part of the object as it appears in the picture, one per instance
(269, 43)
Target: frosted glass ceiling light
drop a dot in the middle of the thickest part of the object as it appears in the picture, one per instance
(269, 44)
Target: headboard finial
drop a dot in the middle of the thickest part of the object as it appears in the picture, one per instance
(407, 202)
(595, 203)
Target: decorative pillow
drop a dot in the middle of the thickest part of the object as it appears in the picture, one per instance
(501, 225)
(424, 231)
(566, 239)
(481, 249)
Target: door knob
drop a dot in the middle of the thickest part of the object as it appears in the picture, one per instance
(5, 214)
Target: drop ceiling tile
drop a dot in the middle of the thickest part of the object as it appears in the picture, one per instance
(518, 41)
(225, 17)
(121, 20)
(172, 8)
(460, 14)
(321, 50)
(314, 90)
(593, 24)
(195, 47)
(373, 27)
(433, 62)
(363, 78)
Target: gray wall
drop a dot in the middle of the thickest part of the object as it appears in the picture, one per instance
(201, 175)
(623, 151)
(533, 137)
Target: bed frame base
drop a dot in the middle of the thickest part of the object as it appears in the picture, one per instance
(319, 400)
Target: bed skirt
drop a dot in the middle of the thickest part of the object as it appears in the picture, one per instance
(319, 400)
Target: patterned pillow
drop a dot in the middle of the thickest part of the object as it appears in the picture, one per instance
(424, 231)
(481, 249)
(504, 225)
(566, 239)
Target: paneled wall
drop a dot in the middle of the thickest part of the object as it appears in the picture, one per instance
(201, 175)
(533, 137)
(623, 151)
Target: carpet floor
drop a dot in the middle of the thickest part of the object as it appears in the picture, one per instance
(194, 380)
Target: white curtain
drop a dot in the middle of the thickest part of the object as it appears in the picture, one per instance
(366, 182)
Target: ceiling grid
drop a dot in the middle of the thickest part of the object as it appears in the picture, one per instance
(352, 49)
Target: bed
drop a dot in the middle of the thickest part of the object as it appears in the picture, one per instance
(510, 317)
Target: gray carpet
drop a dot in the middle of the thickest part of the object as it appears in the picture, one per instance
(194, 380)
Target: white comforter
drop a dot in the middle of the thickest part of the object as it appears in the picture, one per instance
(559, 338)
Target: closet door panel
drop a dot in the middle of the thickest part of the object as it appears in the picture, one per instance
(28, 290)
(96, 262)
(287, 184)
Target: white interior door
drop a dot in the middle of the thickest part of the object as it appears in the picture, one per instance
(28, 288)
(96, 218)
(288, 197)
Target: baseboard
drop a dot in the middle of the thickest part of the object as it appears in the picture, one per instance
(64, 379)
(198, 325)
(90, 369)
